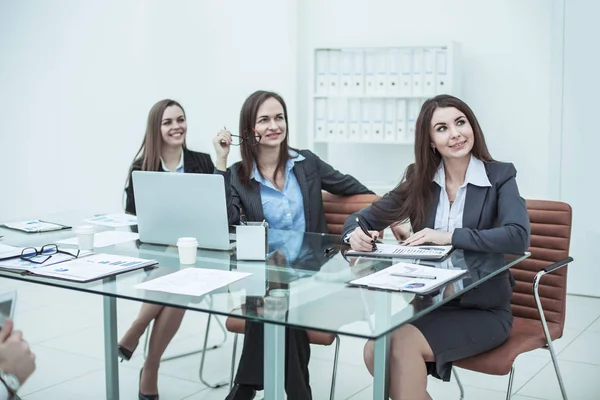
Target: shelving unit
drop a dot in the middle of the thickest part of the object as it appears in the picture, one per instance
(372, 96)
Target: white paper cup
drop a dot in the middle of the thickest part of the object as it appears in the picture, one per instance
(187, 247)
(85, 237)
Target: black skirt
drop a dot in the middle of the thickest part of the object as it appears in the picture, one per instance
(472, 324)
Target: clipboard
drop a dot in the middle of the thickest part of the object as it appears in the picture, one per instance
(35, 226)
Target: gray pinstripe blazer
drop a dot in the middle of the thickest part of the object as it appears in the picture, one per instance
(495, 218)
(313, 175)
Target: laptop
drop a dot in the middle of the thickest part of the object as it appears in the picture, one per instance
(171, 205)
(8, 303)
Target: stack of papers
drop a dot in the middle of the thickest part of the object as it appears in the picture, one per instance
(7, 251)
(16, 264)
(399, 251)
(113, 220)
(94, 267)
(193, 281)
(406, 277)
(106, 238)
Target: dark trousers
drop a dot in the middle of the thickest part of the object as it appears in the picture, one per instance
(297, 354)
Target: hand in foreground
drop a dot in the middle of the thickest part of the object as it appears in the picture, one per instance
(15, 355)
(361, 242)
(429, 236)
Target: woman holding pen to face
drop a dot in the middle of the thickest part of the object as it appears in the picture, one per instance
(163, 149)
(454, 194)
(281, 185)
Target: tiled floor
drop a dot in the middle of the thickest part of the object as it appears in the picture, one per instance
(64, 329)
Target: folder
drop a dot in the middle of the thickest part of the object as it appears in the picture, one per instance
(346, 72)
(393, 67)
(414, 106)
(428, 77)
(321, 61)
(365, 120)
(359, 73)
(417, 72)
(377, 115)
(441, 72)
(381, 73)
(401, 134)
(334, 72)
(341, 126)
(390, 121)
(320, 119)
(370, 71)
(405, 65)
(354, 116)
(331, 119)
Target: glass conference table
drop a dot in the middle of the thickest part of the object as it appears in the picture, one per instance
(312, 267)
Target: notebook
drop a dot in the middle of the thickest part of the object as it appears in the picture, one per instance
(400, 251)
(405, 277)
(35, 226)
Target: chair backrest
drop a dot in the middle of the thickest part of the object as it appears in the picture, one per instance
(338, 208)
(550, 240)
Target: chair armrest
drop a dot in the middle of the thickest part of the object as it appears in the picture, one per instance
(557, 265)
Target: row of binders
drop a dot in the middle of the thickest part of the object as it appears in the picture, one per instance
(370, 120)
(398, 72)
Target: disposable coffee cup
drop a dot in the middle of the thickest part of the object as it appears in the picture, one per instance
(187, 247)
(85, 237)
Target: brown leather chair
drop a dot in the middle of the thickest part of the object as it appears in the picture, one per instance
(338, 208)
(538, 306)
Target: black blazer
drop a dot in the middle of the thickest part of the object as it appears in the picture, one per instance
(193, 163)
(495, 218)
(313, 175)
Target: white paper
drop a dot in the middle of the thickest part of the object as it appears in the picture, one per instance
(396, 250)
(385, 279)
(193, 281)
(7, 251)
(107, 238)
(34, 226)
(113, 220)
(93, 267)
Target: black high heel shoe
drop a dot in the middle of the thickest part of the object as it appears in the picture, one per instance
(125, 354)
(142, 396)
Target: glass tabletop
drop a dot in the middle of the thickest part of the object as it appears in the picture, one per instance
(311, 269)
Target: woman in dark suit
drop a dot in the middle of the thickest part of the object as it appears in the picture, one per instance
(281, 185)
(454, 193)
(163, 149)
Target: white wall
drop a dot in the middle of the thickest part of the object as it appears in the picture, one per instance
(581, 141)
(78, 78)
(506, 54)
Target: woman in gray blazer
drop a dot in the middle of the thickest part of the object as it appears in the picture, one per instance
(281, 185)
(454, 193)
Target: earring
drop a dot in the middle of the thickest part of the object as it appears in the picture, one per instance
(433, 149)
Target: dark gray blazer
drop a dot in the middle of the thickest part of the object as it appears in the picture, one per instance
(495, 218)
(313, 175)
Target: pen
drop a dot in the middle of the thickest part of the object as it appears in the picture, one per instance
(414, 276)
(366, 232)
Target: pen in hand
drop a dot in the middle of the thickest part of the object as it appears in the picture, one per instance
(366, 232)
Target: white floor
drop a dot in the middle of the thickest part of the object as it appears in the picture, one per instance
(65, 331)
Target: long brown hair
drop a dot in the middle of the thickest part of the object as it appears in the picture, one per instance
(151, 149)
(414, 192)
(247, 124)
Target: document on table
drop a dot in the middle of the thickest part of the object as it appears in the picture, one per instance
(93, 267)
(400, 251)
(35, 226)
(405, 277)
(7, 251)
(193, 281)
(106, 238)
(17, 264)
(113, 220)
